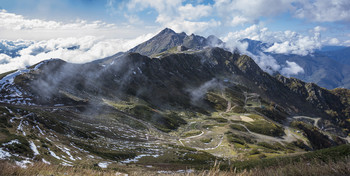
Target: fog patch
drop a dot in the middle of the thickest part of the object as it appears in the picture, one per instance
(197, 94)
(292, 68)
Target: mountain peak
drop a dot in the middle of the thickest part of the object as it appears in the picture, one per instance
(167, 39)
(167, 31)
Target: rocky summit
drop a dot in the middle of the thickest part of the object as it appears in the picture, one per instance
(176, 101)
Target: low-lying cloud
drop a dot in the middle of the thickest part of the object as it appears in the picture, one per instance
(286, 42)
(292, 68)
(75, 50)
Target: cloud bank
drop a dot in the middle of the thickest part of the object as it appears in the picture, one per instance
(75, 50)
(14, 26)
(196, 16)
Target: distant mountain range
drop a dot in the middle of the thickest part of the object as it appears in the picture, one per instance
(328, 67)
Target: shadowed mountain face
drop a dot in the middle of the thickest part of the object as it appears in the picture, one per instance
(165, 81)
(168, 81)
(167, 39)
(190, 102)
(341, 54)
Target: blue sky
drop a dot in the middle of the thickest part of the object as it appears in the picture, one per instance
(104, 27)
(136, 17)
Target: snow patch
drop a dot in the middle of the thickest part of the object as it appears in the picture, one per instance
(4, 154)
(138, 157)
(82, 150)
(11, 112)
(41, 132)
(34, 148)
(178, 171)
(8, 79)
(23, 163)
(40, 64)
(67, 151)
(53, 154)
(46, 162)
(15, 141)
(103, 164)
(20, 128)
(66, 164)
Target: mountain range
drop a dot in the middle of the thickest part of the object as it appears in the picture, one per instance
(328, 67)
(174, 100)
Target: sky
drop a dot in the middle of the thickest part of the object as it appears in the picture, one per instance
(42, 29)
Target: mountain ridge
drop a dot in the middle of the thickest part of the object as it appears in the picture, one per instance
(188, 107)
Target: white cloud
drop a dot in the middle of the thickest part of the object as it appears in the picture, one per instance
(4, 59)
(191, 12)
(266, 63)
(323, 10)
(165, 8)
(11, 21)
(181, 18)
(236, 12)
(253, 32)
(282, 42)
(313, 10)
(133, 19)
(192, 27)
(292, 68)
(333, 41)
(76, 50)
(294, 43)
(239, 20)
(301, 46)
(14, 26)
(319, 29)
(233, 45)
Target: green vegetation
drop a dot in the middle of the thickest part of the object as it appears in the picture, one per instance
(238, 127)
(274, 146)
(218, 119)
(317, 139)
(339, 153)
(235, 138)
(105, 153)
(216, 101)
(206, 140)
(22, 147)
(238, 109)
(163, 121)
(192, 133)
(200, 158)
(262, 126)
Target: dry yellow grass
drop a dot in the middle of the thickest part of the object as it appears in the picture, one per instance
(246, 119)
(296, 169)
(42, 169)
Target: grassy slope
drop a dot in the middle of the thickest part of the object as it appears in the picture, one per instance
(333, 161)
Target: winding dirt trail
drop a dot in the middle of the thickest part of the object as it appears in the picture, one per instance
(310, 118)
